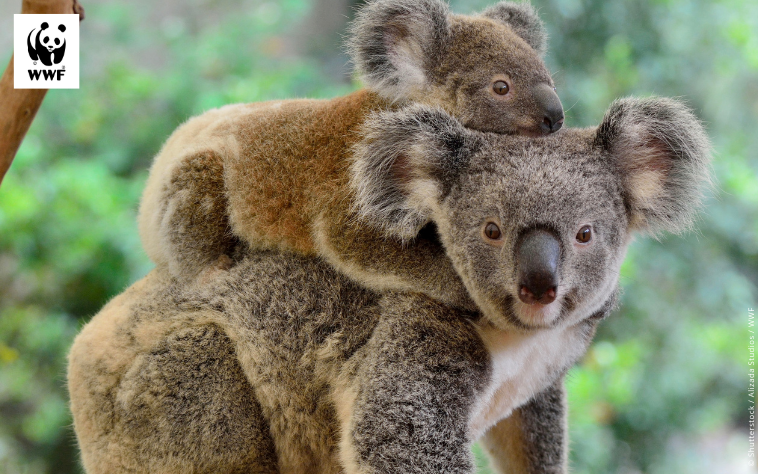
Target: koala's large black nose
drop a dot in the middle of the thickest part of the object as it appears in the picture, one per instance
(552, 109)
(538, 255)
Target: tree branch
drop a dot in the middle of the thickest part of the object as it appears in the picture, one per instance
(19, 106)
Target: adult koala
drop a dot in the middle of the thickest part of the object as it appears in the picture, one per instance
(276, 174)
(283, 365)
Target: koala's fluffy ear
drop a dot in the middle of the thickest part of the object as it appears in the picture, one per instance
(394, 43)
(404, 166)
(662, 153)
(523, 19)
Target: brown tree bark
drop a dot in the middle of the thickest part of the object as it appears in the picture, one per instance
(19, 106)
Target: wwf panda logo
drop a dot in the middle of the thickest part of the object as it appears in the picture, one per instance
(47, 44)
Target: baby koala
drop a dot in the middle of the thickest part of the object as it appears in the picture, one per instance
(285, 365)
(276, 174)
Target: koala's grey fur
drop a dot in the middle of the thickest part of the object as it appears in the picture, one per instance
(422, 29)
(523, 18)
(339, 378)
(275, 174)
(380, 26)
(646, 126)
(642, 169)
(282, 365)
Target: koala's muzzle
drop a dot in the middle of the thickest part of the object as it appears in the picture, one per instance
(552, 109)
(538, 255)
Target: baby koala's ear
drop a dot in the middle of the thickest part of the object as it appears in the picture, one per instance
(405, 165)
(662, 155)
(523, 19)
(395, 43)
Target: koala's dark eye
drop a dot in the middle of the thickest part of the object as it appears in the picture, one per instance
(57, 41)
(584, 235)
(492, 231)
(500, 87)
(45, 39)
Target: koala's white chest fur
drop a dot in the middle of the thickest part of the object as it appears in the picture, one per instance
(522, 366)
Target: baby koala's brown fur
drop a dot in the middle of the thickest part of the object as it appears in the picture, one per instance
(275, 174)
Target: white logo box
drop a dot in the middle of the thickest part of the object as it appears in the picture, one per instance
(46, 51)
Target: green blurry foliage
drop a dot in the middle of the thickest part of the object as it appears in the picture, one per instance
(663, 389)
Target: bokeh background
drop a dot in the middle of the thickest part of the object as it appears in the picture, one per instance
(664, 390)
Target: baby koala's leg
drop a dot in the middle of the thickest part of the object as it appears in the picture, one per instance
(407, 403)
(383, 263)
(195, 226)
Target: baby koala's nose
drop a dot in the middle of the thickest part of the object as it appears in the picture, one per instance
(537, 257)
(552, 122)
(552, 108)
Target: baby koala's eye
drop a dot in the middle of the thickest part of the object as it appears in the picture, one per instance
(584, 235)
(500, 87)
(492, 231)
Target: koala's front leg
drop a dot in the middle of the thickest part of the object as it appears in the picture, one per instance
(533, 440)
(411, 393)
(383, 263)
